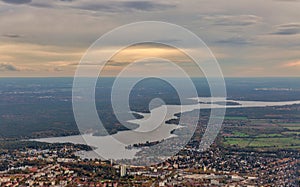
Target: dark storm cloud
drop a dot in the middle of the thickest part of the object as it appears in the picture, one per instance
(17, 1)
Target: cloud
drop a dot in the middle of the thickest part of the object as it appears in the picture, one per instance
(17, 1)
(42, 5)
(96, 64)
(117, 63)
(105, 7)
(123, 6)
(292, 64)
(287, 29)
(8, 67)
(58, 69)
(98, 6)
(288, 1)
(235, 41)
(233, 20)
(11, 35)
(146, 5)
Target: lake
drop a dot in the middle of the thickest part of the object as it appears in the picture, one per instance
(151, 128)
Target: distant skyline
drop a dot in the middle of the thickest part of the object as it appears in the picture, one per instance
(250, 38)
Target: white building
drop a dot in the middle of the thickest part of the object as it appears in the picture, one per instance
(122, 170)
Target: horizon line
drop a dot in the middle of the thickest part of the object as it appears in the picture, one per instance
(147, 77)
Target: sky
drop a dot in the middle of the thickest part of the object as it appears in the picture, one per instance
(249, 38)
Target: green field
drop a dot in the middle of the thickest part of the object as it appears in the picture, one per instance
(293, 128)
(292, 132)
(283, 142)
(268, 135)
(240, 134)
(235, 118)
(264, 134)
(241, 142)
(290, 124)
(275, 142)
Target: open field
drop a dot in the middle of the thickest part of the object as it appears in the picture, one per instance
(235, 118)
(293, 128)
(290, 126)
(263, 133)
(292, 132)
(258, 142)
